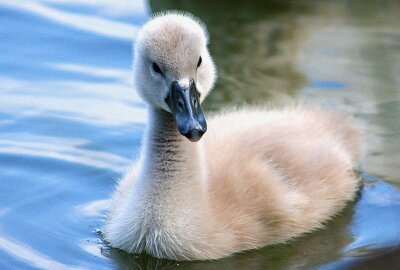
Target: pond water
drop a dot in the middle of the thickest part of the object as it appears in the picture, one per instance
(71, 123)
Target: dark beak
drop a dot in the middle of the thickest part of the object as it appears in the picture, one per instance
(184, 104)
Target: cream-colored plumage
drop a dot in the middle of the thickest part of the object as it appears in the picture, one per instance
(257, 177)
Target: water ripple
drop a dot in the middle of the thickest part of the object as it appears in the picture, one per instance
(32, 256)
(94, 24)
(54, 148)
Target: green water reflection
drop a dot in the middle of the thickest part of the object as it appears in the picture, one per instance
(255, 46)
(340, 54)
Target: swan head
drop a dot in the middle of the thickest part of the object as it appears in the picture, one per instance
(173, 69)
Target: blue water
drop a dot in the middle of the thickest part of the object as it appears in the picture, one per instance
(71, 122)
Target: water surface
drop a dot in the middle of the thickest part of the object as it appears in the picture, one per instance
(71, 123)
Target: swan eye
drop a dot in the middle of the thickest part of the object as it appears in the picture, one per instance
(199, 63)
(157, 69)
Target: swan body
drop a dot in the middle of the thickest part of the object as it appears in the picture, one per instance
(256, 177)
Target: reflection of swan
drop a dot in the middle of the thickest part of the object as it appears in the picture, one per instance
(258, 177)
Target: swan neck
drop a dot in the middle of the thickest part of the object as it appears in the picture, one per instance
(169, 156)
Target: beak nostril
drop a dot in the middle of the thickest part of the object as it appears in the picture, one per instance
(180, 105)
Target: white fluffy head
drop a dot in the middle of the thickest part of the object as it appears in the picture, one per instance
(175, 43)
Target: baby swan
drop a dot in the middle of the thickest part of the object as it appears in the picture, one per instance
(256, 178)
